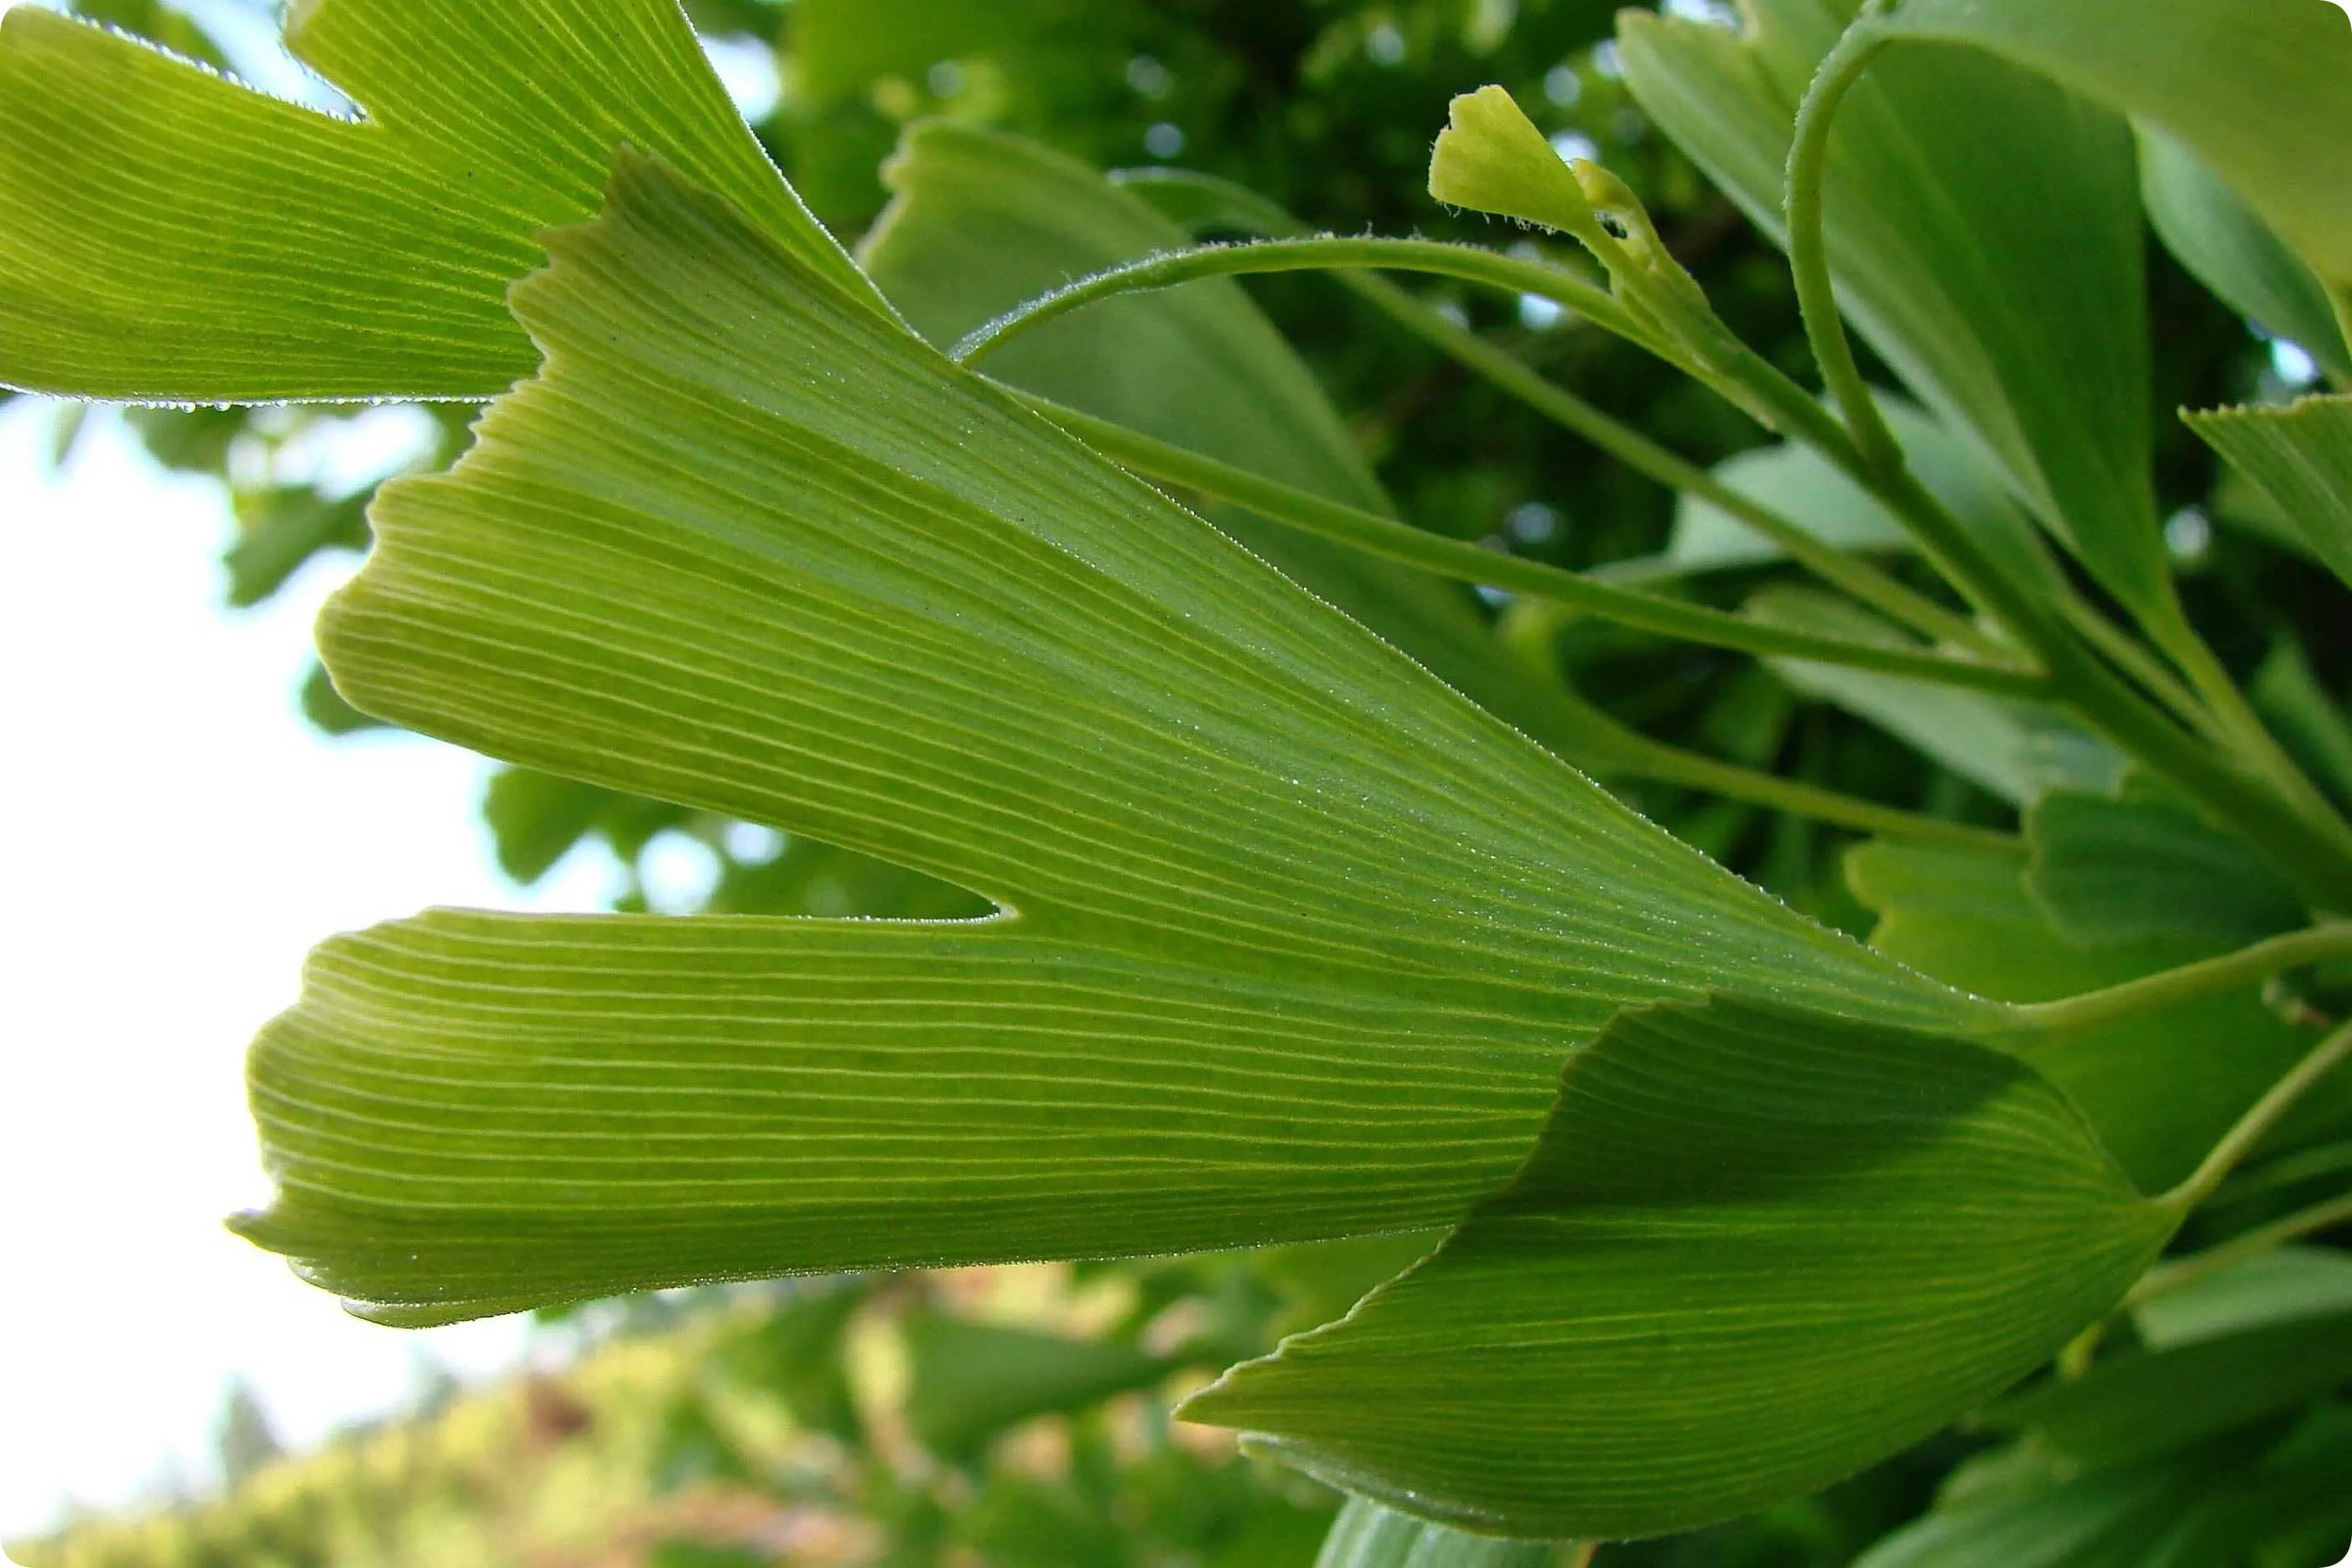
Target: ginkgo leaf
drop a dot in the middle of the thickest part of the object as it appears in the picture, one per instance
(981, 222)
(1756, 1251)
(1294, 938)
(1984, 226)
(2229, 247)
(2300, 456)
(2255, 91)
(171, 235)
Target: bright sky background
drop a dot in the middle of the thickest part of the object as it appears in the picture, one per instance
(177, 838)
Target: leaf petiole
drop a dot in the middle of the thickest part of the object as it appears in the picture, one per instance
(1465, 563)
(2153, 993)
(1313, 253)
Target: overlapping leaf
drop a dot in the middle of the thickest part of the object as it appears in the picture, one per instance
(1756, 1251)
(1985, 229)
(2256, 92)
(1295, 938)
(171, 235)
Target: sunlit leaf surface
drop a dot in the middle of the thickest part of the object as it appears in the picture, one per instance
(1756, 1251)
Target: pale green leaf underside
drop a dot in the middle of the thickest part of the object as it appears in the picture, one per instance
(1301, 937)
(169, 234)
(1367, 1535)
(2300, 456)
(2254, 87)
(2234, 253)
(982, 222)
(1755, 1251)
(1985, 229)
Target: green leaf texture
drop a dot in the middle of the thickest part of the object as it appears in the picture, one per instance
(1756, 1251)
(981, 221)
(1984, 225)
(171, 236)
(1293, 939)
(2256, 91)
(2300, 456)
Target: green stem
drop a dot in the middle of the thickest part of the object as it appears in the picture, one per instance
(1318, 253)
(1666, 764)
(1580, 1555)
(2314, 853)
(2238, 1248)
(1646, 456)
(1808, 247)
(2155, 993)
(1384, 536)
(2314, 846)
(2129, 654)
(2257, 1124)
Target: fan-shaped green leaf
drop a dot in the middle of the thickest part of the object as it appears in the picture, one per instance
(1756, 1251)
(2256, 91)
(1294, 938)
(171, 234)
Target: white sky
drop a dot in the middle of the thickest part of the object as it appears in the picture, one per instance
(176, 838)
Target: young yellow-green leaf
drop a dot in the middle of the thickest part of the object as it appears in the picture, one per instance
(169, 234)
(1985, 230)
(2255, 90)
(1293, 939)
(981, 221)
(2225, 243)
(1756, 1251)
(1368, 1535)
(1490, 158)
(2161, 1090)
(2300, 456)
